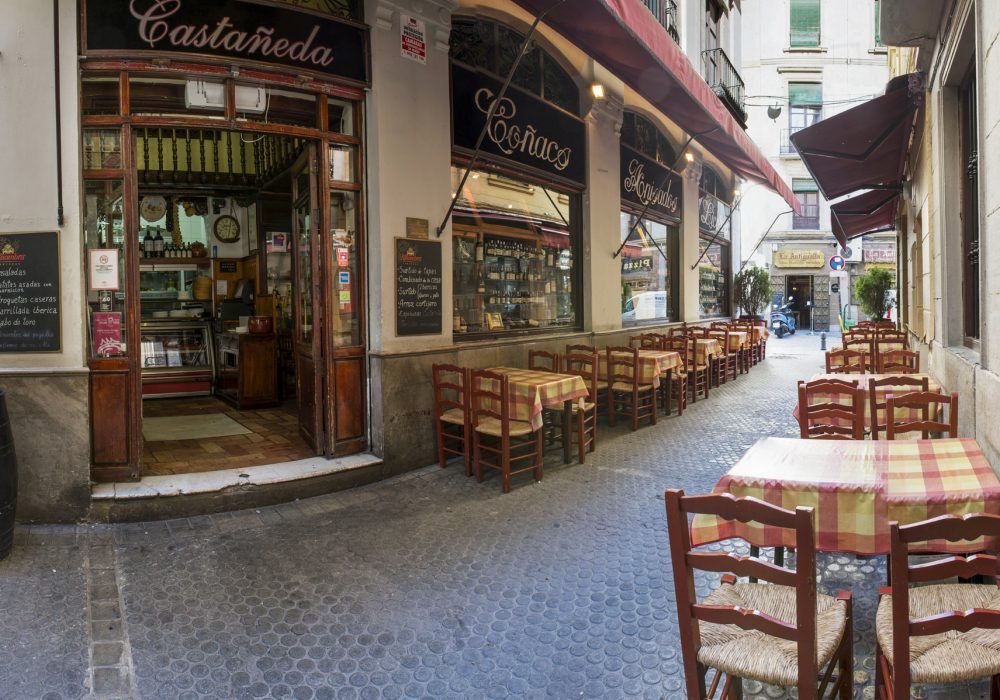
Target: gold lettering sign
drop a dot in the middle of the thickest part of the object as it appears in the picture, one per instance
(798, 258)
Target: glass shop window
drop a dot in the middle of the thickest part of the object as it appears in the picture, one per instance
(648, 275)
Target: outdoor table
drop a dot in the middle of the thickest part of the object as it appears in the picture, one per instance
(760, 333)
(856, 488)
(737, 339)
(533, 390)
(903, 413)
(706, 348)
(652, 365)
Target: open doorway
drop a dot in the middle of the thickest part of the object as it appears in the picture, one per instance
(799, 289)
(227, 292)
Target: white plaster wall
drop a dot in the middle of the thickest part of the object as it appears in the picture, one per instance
(989, 49)
(28, 154)
(847, 66)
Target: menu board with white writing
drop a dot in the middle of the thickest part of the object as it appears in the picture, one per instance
(418, 287)
(29, 292)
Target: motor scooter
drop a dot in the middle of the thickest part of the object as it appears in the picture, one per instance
(782, 319)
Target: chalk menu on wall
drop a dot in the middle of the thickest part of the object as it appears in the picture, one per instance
(418, 287)
(29, 292)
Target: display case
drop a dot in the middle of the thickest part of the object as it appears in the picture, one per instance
(177, 358)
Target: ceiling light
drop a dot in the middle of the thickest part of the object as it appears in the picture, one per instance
(475, 176)
(597, 90)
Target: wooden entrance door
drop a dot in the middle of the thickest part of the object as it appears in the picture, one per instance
(308, 299)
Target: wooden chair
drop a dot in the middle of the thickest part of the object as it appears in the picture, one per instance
(865, 346)
(876, 408)
(898, 362)
(726, 365)
(747, 353)
(677, 331)
(452, 418)
(699, 374)
(838, 415)
(626, 396)
(929, 404)
(584, 415)
(646, 341)
(889, 325)
(544, 361)
(676, 388)
(845, 362)
(942, 632)
(496, 436)
(781, 632)
(698, 331)
(599, 394)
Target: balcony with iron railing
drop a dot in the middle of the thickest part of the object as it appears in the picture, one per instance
(665, 12)
(722, 76)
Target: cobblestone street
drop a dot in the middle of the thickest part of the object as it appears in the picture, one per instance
(429, 585)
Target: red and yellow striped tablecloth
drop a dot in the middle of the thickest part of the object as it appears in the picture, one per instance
(652, 365)
(532, 390)
(704, 347)
(856, 489)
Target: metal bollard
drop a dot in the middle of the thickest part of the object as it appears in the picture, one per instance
(822, 340)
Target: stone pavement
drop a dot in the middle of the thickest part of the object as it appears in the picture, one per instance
(428, 585)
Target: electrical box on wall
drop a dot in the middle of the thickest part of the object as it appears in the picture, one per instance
(204, 94)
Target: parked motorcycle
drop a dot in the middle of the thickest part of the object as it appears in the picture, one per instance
(782, 319)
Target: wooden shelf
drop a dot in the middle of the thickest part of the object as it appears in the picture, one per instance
(199, 262)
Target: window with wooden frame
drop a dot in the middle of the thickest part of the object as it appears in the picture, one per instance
(808, 195)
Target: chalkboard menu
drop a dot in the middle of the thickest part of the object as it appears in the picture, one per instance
(418, 287)
(29, 292)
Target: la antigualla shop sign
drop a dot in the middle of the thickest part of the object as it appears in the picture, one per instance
(240, 29)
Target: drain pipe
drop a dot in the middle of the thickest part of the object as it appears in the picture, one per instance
(58, 106)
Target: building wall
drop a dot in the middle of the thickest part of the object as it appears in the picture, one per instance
(851, 69)
(932, 236)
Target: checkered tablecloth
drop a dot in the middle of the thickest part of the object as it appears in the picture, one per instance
(856, 488)
(532, 390)
(737, 340)
(652, 365)
(760, 333)
(902, 414)
(705, 347)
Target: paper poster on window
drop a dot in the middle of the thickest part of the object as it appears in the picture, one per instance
(413, 38)
(103, 269)
(107, 333)
(343, 257)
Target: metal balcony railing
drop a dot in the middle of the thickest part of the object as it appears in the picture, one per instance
(665, 12)
(722, 76)
(787, 147)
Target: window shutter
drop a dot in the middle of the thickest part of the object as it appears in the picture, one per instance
(805, 94)
(878, 29)
(804, 23)
(804, 184)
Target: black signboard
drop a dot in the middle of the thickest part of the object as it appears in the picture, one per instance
(646, 182)
(525, 130)
(230, 29)
(712, 213)
(29, 292)
(418, 287)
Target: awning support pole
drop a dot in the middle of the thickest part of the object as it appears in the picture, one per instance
(655, 244)
(489, 115)
(761, 239)
(670, 170)
(718, 230)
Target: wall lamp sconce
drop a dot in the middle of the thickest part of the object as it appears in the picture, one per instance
(597, 90)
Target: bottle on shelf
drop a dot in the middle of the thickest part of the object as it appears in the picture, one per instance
(147, 245)
(479, 248)
(158, 244)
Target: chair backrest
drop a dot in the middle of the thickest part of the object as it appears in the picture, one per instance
(722, 335)
(719, 325)
(885, 345)
(845, 362)
(685, 561)
(622, 365)
(890, 333)
(885, 324)
(698, 331)
(876, 406)
(972, 527)
(930, 405)
(490, 397)
(678, 344)
(677, 331)
(584, 349)
(831, 409)
(583, 365)
(865, 324)
(451, 388)
(650, 341)
(544, 361)
(898, 362)
(862, 345)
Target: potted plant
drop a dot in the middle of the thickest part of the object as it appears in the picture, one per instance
(753, 291)
(874, 290)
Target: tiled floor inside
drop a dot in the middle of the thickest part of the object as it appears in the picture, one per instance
(274, 437)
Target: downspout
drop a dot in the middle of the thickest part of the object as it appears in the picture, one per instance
(58, 106)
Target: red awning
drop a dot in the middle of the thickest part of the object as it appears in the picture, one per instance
(865, 147)
(625, 37)
(866, 213)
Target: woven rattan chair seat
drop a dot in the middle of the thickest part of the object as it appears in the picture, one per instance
(493, 426)
(952, 656)
(455, 416)
(626, 387)
(753, 654)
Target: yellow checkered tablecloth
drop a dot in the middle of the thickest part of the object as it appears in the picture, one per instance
(532, 390)
(705, 347)
(737, 339)
(856, 488)
(652, 365)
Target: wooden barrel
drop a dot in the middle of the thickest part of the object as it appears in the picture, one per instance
(8, 480)
(201, 288)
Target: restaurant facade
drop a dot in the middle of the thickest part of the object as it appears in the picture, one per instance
(237, 238)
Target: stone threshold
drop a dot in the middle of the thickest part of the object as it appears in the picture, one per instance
(230, 479)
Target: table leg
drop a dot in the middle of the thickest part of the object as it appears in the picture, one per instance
(779, 556)
(669, 390)
(567, 430)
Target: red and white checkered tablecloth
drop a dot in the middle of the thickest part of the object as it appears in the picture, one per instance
(856, 488)
(532, 390)
(652, 365)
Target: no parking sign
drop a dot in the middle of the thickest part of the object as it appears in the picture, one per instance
(837, 263)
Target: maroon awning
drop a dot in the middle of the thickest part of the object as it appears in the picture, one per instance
(866, 213)
(865, 147)
(625, 37)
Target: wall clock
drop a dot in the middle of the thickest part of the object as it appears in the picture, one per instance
(227, 229)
